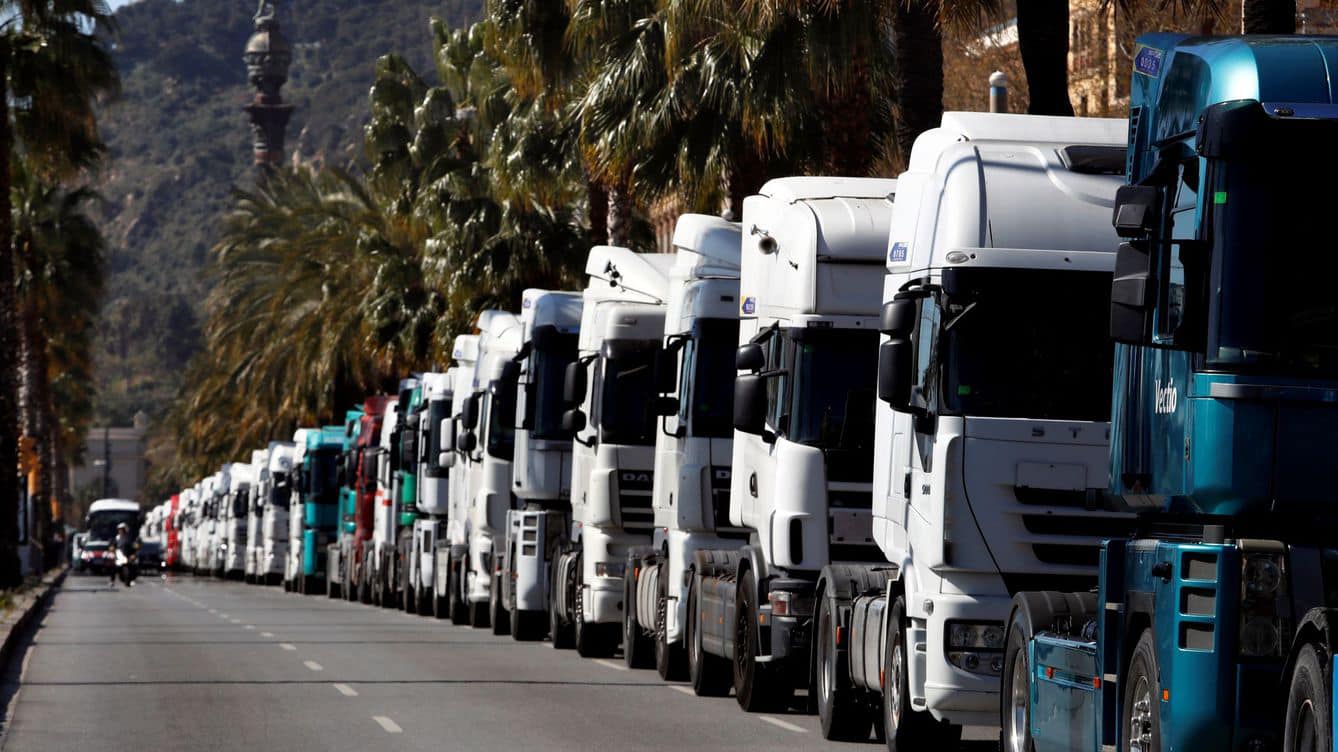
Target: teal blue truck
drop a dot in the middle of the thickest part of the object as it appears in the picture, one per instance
(320, 504)
(1213, 626)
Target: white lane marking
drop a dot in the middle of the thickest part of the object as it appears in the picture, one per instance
(685, 690)
(346, 690)
(286, 646)
(610, 664)
(235, 621)
(266, 634)
(213, 610)
(314, 666)
(778, 723)
(390, 726)
(249, 626)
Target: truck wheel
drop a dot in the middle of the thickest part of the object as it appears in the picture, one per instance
(1015, 693)
(844, 718)
(365, 584)
(424, 599)
(709, 674)
(1308, 708)
(407, 592)
(636, 648)
(906, 729)
(562, 633)
(332, 588)
(478, 615)
(757, 686)
(378, 588)
(497, 613)
(1142, 695)
(528, 626)
(459, 613)
(671, 661)
(592, 640)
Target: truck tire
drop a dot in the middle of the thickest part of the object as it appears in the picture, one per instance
(844, 716)
(424, 599)
(671, 660)
(459, 613)
(1308, 706)
(378, 587)
(497, 613)
(407, 592)
(709, 674)
(563, 633)
(1015, 692)
(592, 640)
(478, 615)
(365, 584)
(1142, 697)
(759, 687)
(905, 729)
(331, 588)
(528, 626)
(636, 646)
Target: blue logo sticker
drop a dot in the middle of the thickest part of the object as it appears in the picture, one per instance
(1148, 61)
(526, 303)
(898, 253)
(749, 305)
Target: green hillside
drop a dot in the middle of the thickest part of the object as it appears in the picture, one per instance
(179, 141)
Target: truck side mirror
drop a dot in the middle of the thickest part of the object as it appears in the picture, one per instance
(1135, 210)
(469, 415)
(573, 421)
(468, 441)
(1131, 294)
(898, 317)
(895, 366)
(445, 459)
(447, 429)
(573, 384)
(665, 406)
(666, 370)
(750, 357)
(750, 403)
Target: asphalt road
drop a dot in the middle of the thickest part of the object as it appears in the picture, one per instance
(183, 663)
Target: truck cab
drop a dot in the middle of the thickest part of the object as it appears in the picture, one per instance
(434, 463)
(693, 443)
(1209, 629)
(320, 505)
(610, 391)
(254, 510)
(464, 353)
(238, 480)
(537, 529)
(274, 515)
(801, 480)
(339, 552)
(384, 519)
(292, 568)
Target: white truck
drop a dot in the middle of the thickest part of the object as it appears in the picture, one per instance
(693, 448)
(427, 565)
(254, 510)
(237, 482)
(537, 529)
(292, 568)
(810, 292)
(208, 548)
(990, 458)
(185, 523)
(278, 497)
(464, 353)
(611, 394)
(488, 444)
(388, 504)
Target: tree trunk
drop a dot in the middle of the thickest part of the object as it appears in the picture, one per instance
(620, 215)
(917, 52)
(847, 137)
(33, 401)
(597, 203)
(1043, 41)
(10, 575)
(746, 179)
(1268, 17)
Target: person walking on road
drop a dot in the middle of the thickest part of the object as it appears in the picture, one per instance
(123, 552)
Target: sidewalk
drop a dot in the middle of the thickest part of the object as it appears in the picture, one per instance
(18, 606)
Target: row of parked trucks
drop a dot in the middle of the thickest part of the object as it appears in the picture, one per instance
(872, 443)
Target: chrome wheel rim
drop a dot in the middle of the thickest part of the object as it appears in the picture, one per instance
(1140, 717)
(893, 689)
(826, 667)
(1020, 701)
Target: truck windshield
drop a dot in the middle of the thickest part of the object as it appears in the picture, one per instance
(1023, 343)
(627, 397)
(1276, 305)
(711, 392)
(835, 372)
(502, 420)
(543, 403)
(239, 499)
(102, 525)
(278, 492)
(324, 486)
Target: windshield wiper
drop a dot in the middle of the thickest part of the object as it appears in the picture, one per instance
(969, 307)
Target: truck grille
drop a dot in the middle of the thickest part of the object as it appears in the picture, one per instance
(1079, 516)
(634, 500)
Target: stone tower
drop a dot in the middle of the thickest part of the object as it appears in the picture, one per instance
(268, 55)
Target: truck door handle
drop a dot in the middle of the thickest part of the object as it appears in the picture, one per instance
(752, 485)
(906, 487)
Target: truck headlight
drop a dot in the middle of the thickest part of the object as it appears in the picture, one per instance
(1263, 604)
(975, 646)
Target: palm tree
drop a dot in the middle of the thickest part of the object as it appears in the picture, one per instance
(59, 258)
(1043, 42)
(53, 65)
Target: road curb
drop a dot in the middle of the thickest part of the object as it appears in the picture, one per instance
(27, 604)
